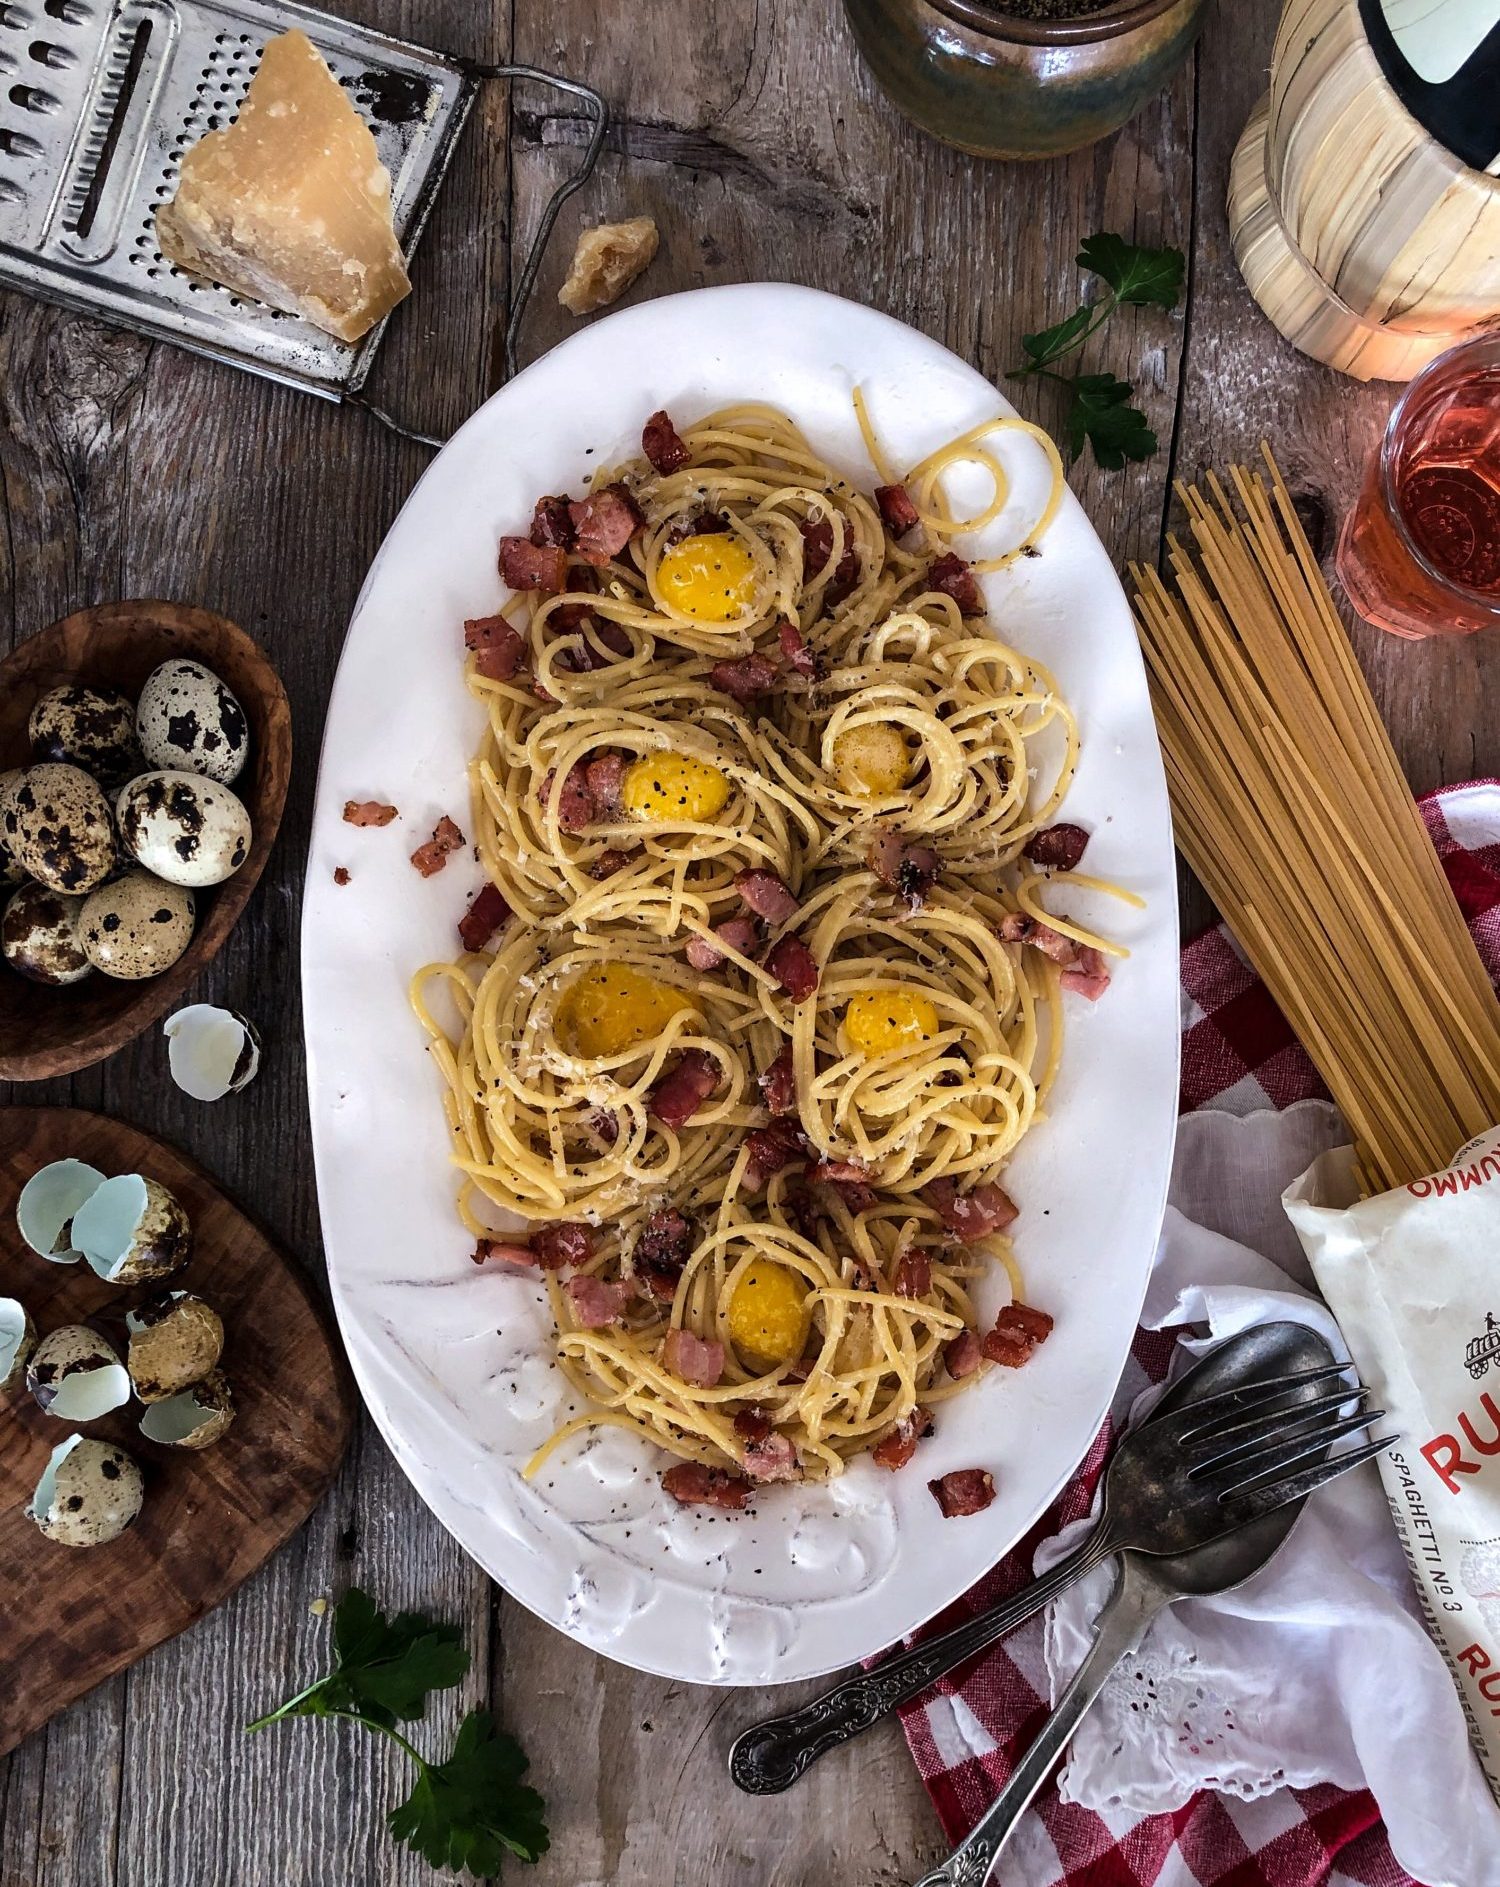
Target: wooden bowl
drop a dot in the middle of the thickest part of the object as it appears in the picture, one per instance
(43, 1031)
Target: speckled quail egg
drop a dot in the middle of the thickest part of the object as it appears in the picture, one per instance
(186, 829)
(175, 1340)
(188, 721)
(91, 728)
(136, 926)
(195, 1419)
(89, 1493)
(17, 1336)
(75, 1375)
(132, 1230)
(10, 872)
(56, 822)
(39, 936)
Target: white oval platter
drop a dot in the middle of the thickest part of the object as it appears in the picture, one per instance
(453, 1361)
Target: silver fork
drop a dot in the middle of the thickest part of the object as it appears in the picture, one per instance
(1246, 1430)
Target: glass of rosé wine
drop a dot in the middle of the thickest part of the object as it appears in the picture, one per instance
(1420, 552)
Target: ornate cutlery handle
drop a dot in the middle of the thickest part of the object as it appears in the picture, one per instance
(1136, 1600)
(770, 1756)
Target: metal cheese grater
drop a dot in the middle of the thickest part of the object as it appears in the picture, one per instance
(100, 99)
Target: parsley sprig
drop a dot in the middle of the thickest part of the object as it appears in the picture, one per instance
(462, 1813)
(1099, 409)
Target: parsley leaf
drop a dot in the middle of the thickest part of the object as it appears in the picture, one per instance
(463, 1812)
(1051, 342)
(1136, 275)
(467, 1811)
(1100, 415)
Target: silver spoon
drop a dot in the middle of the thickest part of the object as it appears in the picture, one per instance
(1197, 1467)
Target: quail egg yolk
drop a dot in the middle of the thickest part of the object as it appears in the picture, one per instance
(768, 1312)
(610, 1008)
(879, 1021)
(673, 786)
(872, 760)
(710, 577)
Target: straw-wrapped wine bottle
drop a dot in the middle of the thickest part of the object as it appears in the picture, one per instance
(1364, 195)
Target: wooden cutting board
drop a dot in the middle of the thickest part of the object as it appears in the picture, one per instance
(73, 1618)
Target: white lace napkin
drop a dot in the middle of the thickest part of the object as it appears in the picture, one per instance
(1319, 1669)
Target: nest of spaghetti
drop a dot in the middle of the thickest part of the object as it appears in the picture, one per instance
(771, 816)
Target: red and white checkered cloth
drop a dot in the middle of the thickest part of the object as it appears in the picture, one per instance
(1237, 1054)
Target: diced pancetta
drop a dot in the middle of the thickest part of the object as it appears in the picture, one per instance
(678, 1095)
(773, 1458)
(664, 1246)
(746, 679)
(483, 918)
(597, 1302)
(694, 1484)
(498, 646)
(604, 523)
(662, 445)
(563, 1242)
(951, 576)
(1060, 846)
(797, 652)
(970, 1216)
(913, 1273)
(368, 812)
(767, 894)
(552, 524)
(897, 512)
(697, 1360)
(771, 1148)
(510, 1251)
(794, 967)
(1089, 976)
(1017, 1332)
(910, 870)
(964, 1491)
(897, 1446)
(740, 933)
(778, 1083)
(962, 1355)
(433, 855)
(752, 1424)
(534, 567)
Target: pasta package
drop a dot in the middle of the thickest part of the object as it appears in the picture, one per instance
(1409, 1275)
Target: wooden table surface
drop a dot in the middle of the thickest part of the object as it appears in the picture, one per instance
(752, 135)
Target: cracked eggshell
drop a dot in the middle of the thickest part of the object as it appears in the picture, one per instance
(17, 1335)
(39, 936)
(186, 829)
(89, 1493)
(76, 1375)
(10, 872)
(56, 823)
(211, 1052)
(136, 926)
(47, 1205)
(91, 728)
(175, 1340)
(132, 1230)
(197, 1418)
(188, 721)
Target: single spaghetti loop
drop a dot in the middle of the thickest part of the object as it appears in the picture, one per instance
(757, 688)
(1290, 805)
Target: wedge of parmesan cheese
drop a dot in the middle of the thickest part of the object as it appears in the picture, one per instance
(291, 204)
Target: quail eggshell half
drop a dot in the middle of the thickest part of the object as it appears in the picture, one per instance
(186, 829)
(136, 926)
(10, 872)
(91, 728)
(187, 720)
(57, 826)
(75, 1375)
(39, 936)
(195, 1419)
(17, 1335)
(132, 1230)
(175, 1340)
(89, 1493)
(48, 1204)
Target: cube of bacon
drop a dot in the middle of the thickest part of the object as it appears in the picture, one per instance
(368, 812)
(504, 1251)
(694, 1484)
(772, 1458)
(497, 645)
(799, 655)
(609, 862)
(897, 512)
(528, 566)
(964, 1491)
(817, 548)
(951, 576)
(778, 1083)
(433, 855)
(794, 967)
(913, 1273)
(1060, 846)
(696, 1360)
(678, 1096)
(606, 780)
(575, 803)
(897, 1446)
(910, 870)
(962, 1355)
(552, 524)
(1089, 976)
(771, 1148)
(740, 933)
(604, 523)
(483, 918)
(597, 1302)
(1017, 1332)
(767, 893)
(661, 1251)
(563, 1242)
(746, 679)
(852, 1178)
(970, 1216)
(661, 444)
(752, 1424)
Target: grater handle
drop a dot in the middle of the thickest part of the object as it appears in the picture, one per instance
(599, 112)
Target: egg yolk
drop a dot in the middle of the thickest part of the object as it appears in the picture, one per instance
(768, 1312)
(872, 760)
(673, 786)
(710, 577)
(610, 1008)
(878, 1021)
